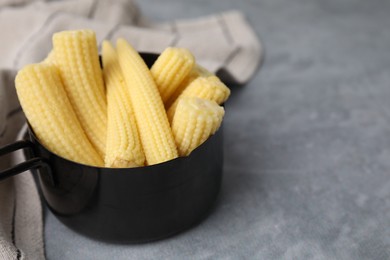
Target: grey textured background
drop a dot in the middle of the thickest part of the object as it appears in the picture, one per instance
(307, 151)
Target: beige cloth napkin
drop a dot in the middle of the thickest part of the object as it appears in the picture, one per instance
(222, 42)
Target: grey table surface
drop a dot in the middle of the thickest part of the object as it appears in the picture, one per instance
(307, 141)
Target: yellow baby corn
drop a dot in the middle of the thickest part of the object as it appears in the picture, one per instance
(77, 58)
(123, 147)
(196, 71)
(155, 132)
(210, 88)
(194, 121)
(170, 68)
(50, 114)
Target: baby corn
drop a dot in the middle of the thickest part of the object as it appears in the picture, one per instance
(210, 88)
(51, 116)
(77, 58)
(194, 121)
(123, 147)
(155, 132)
(169, 70)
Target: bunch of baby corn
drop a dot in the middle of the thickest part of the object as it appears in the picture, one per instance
(124, 114)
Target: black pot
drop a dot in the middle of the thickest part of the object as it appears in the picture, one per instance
(126, 204)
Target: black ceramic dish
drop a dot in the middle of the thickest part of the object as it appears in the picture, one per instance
(126, 205)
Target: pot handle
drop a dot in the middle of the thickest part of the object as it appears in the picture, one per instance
(30, 164)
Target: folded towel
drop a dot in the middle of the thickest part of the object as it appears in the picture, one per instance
(27, 26)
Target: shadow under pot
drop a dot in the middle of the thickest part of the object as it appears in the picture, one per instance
(126, 205)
